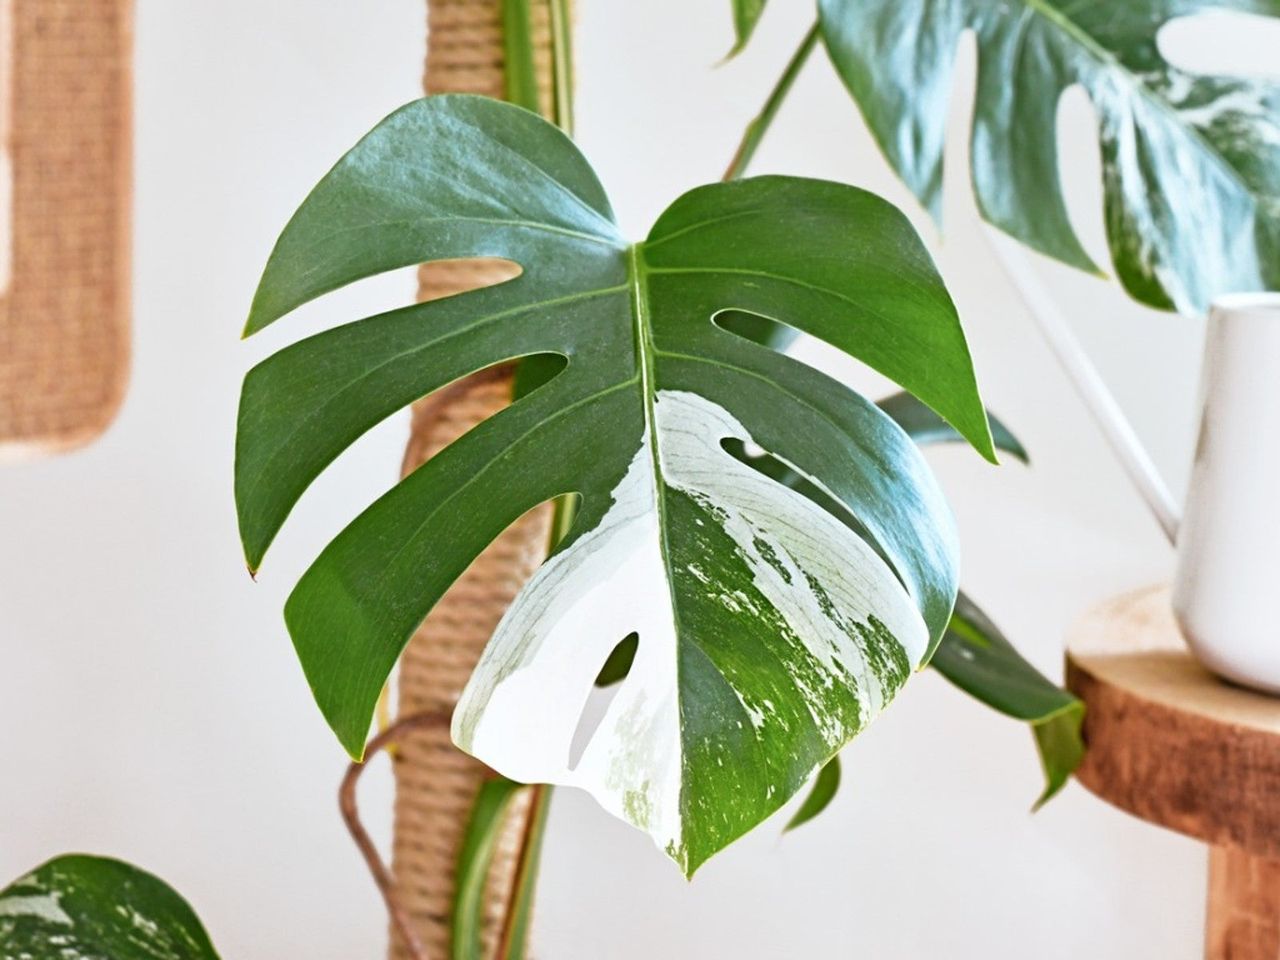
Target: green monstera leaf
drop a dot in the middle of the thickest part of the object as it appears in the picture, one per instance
(1191, 163)
(80, 906)
(769, 632)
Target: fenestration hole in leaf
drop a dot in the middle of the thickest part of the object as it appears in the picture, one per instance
(761, 460)
(1224, 42)
(608, 682)
(476, 272)
(752, 326)
(537, 371)
(619, 661)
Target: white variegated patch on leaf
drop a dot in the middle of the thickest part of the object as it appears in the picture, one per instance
(770, 632)
(82, 908)
(812, 633)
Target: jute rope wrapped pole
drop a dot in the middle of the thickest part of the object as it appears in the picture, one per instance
(435, 783)
(65, 184)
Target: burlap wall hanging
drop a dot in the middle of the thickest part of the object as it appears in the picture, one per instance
(65, 185)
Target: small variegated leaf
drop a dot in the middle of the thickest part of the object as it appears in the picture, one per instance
(1190, 163)
(89, 907)
(769, 633)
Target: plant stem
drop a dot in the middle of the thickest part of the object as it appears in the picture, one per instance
(562, 65)
(351, 816)
(759, 126)
(519, 69)
(519, 912)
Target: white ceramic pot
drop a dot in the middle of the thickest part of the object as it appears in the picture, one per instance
(1226, 593)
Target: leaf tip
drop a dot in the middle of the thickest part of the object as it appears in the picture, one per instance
(265, 309)
(252, 560)
(987, 446)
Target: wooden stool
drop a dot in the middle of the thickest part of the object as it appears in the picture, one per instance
(1171, 743)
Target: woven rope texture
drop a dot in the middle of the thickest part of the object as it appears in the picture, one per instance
(435, 783)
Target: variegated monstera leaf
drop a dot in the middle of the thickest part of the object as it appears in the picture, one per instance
(78, 907)
(1191, 163)
(770, 632)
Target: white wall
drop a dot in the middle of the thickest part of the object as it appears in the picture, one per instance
(151, 706)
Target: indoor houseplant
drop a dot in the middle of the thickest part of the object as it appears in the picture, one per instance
(348, 699)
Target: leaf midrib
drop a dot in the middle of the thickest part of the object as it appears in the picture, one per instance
(642, 334)
(1077, 33)
(894, 562)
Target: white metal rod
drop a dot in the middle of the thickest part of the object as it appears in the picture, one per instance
(1084, 376)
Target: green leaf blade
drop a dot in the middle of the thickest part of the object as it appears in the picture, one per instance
(442, 178)
(977, 657)
(303, 406)
(82, 906)
(779, 247)
(357, 606)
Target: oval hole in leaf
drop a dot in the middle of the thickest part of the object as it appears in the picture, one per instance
(619, 661)
(537, 371)
(756, 328)
(1226, 42)
(614, 669)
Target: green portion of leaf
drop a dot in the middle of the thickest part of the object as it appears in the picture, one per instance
(980, 660)
(418, 188)
(1191, 163)
(746, 14)
(823, 791)
(1060, 743)
(488, 816)
(925, 427)
(832, 261)
(81, 906)
(769, 634)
